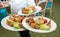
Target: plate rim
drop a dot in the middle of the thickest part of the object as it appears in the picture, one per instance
(4, 26)
(38, 31)
(29, 14)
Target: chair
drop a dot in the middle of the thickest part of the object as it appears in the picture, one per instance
(49, 5)
(42, 4)
(45, 4)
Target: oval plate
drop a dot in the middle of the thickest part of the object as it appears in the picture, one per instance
(27, 26)
(6, 26)
(37, 7)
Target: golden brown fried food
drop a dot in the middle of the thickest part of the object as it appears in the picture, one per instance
(31, 7)
(36, 23)
(33, 25)
(15, 20)
(25, 10)
(20, 19)
(10, 22)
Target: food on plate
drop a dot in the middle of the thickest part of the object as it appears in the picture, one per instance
(16, 24)
(39, 23)
(44, 27)
(15, 21)
(30, 20)
(10, 22)
(28, 10)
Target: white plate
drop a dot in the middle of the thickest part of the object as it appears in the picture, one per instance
(37, 7)
(6, 26)
(27, 26)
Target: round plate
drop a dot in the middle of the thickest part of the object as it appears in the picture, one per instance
(27, 26)
(6, 26)
(37, 7)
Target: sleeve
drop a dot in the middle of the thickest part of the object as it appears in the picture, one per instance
(31, 2)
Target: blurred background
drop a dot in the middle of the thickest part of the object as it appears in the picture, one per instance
(55, 16)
